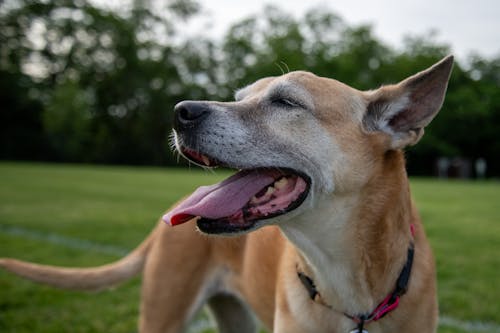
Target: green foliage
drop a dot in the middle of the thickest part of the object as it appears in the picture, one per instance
(83, 83)
(67, 121)
(100, 75)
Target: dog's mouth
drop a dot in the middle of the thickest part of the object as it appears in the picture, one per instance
(199, 158)
(243, 201)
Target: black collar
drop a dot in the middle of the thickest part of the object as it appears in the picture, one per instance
(389, 304)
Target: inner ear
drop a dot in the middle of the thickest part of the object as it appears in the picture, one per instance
(386, 111)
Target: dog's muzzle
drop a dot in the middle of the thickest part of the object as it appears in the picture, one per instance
(243, 202)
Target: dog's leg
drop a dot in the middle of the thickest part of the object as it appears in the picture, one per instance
(175, 280)
(232, 315)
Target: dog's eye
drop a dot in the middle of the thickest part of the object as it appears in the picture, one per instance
(284, 102)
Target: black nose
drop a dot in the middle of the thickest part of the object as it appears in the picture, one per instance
(188, 114)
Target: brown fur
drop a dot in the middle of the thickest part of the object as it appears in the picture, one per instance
(361, 227)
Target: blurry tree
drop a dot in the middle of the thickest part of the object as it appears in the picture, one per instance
(103, 81)
(21, 129)
(81, 83)
(66, 121)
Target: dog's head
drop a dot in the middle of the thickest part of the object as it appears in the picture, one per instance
(294, 138)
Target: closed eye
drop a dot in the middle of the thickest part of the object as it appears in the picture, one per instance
(284, 102)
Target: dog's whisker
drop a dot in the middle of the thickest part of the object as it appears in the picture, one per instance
(286, 66)
(280, 68)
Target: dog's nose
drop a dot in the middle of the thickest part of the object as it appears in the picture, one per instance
(189, 113)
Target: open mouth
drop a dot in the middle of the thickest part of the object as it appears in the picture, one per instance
(243, 201)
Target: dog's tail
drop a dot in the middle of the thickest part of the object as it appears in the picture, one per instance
(90, 279)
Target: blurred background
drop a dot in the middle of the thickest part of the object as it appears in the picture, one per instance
(87, 89)
(96, 81)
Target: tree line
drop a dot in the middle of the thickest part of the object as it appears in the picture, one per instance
(80, 83)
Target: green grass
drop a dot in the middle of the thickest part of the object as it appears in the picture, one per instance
(462, 220)
(118, 206)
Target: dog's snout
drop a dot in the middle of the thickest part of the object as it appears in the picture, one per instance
(188, 114)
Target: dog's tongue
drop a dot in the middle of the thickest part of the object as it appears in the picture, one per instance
(222, 199)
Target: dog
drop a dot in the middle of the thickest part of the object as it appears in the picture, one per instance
(325, 236)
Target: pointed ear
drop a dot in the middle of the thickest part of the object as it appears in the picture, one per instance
(403, 110)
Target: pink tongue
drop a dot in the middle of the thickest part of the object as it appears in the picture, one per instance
(222, 199)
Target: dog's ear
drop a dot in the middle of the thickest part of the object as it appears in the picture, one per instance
(403, 110)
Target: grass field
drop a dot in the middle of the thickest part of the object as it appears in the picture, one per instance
(86, 215)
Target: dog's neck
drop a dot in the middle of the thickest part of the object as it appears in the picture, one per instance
(355, 244)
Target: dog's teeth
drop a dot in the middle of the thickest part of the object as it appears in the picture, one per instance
(266, 196)
(205, 160)
(270, 190)
(281, 183)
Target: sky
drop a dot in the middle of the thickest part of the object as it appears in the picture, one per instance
(468, 26)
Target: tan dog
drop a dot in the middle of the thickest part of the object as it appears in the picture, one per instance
(322, 164)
